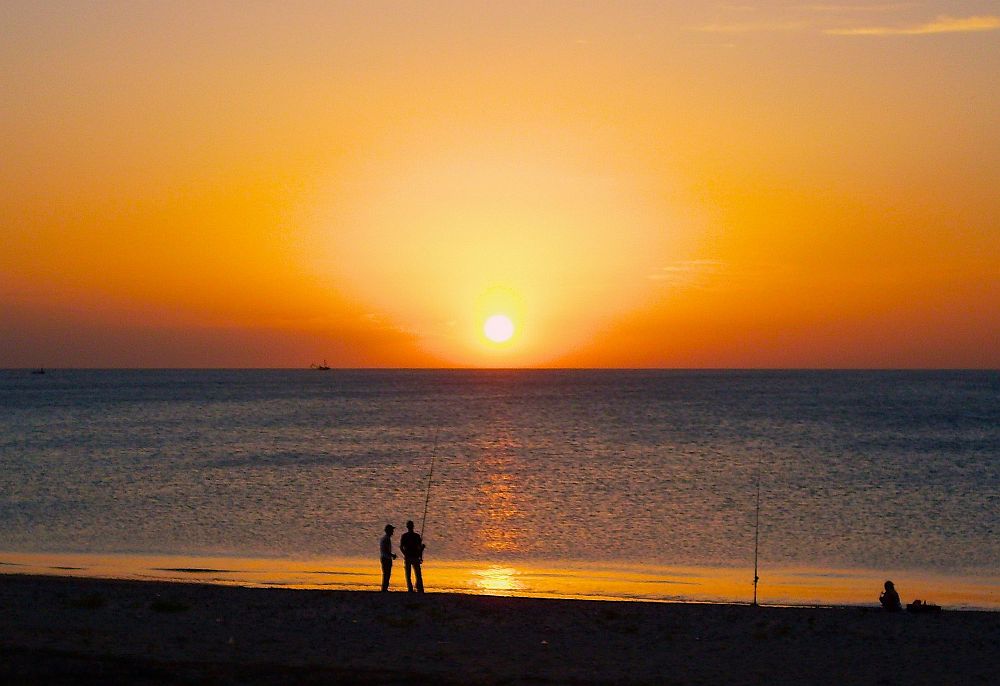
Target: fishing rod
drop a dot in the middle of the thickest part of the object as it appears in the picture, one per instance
(756, 536)
(430, 475)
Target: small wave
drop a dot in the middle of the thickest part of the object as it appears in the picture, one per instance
(194, 570)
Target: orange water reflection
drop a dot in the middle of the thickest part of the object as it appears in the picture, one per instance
(798, 586)
(498, 508)
(497, 579)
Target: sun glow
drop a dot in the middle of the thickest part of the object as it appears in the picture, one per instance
(368, 201)
(537, 232)
(496, 579)
(499, 328)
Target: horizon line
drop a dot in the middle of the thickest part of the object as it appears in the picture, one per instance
(520, 369)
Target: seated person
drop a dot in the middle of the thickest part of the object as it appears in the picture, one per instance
(889, 598)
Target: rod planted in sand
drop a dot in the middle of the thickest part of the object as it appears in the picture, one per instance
(756, 537)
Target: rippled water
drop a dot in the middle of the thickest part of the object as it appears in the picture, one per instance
(875, 470)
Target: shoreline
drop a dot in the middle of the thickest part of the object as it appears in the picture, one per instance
(83, 630)
(609, 582)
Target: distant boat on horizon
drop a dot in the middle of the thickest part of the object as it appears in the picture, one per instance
(321, 367)
(40, 370)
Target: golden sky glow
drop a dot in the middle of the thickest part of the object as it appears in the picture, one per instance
(633, 184)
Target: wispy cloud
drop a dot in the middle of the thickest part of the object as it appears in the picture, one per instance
(687, 270)
(847, 8)
(942, 24)
(714, 275)
(819, 17)
(752, 27)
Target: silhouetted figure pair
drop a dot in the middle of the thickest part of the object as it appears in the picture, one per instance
(413, 556)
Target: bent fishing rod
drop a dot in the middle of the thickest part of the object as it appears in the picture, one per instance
(430, 475)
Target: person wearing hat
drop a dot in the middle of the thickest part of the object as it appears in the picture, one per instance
(386, 555)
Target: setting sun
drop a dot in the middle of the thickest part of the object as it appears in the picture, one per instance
(499, 328)
(630, 190)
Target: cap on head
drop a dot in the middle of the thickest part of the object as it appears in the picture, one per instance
(888, 584)
(409, 524)
(389, 528)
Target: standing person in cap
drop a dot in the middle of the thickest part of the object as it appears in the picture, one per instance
(386, 555)
(413, 556)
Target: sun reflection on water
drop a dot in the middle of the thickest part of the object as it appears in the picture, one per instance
(795, 586)
(499, 508)
(499, 493)
(496, 579)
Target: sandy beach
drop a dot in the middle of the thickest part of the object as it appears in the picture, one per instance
(79, 630)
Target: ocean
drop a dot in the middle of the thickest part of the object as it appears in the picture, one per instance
(539, 476)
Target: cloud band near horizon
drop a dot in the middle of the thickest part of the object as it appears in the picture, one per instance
(942, 24)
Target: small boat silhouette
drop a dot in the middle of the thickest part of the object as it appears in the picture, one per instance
(321, 367)
(40, 370)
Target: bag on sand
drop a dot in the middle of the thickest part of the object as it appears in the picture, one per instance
(921, 606)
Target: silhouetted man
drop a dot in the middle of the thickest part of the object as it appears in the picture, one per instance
(386, 555)
(413, 556)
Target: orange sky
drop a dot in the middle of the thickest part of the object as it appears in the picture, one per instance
(647, 184)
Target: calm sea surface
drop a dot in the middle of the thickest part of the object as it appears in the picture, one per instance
(858, 470)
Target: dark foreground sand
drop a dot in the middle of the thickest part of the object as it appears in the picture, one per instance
(87, 631)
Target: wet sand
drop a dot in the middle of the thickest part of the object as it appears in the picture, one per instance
(540, 579)
(75, 630)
